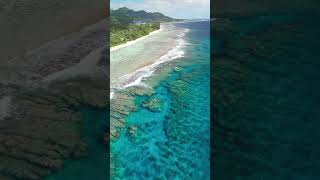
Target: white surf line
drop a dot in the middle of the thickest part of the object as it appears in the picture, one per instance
(147, 71)
(133, 41)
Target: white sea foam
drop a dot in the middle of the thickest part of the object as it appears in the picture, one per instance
(111, 95)
(138, 81)
(137, 77)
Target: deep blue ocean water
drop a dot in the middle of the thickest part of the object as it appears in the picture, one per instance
(173, 143)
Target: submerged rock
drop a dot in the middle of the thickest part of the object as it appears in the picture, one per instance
(140, 91)
(177, 69)
(113, 133)
(120, 107)
(153, 104)
(132, 130)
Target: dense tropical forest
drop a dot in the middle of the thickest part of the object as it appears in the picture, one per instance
(128, 25)
(131, 32)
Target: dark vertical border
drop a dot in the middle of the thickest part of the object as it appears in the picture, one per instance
(108, 84)
(211, 88)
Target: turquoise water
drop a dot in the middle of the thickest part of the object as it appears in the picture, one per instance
(95, 163)
(173, 141)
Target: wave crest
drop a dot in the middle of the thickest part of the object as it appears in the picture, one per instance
(137, 77)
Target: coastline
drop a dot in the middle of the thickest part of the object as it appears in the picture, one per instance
(133, 41)
(134, 81)
(144, 113)
(135, 78)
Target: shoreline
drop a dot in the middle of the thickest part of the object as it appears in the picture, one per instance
(144, 111)
(136, 77)
(133, 41)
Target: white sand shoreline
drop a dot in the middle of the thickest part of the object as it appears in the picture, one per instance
(133, 41)
(136, 77)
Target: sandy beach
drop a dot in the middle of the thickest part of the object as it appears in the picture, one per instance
(129, 64)
(160, 91)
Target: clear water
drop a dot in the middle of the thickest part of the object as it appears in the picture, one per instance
(173, 143)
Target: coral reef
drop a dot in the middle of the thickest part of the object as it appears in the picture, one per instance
(153, 104)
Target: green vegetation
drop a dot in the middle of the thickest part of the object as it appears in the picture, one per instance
(132, 32)
(128, 25)
(139, 16)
